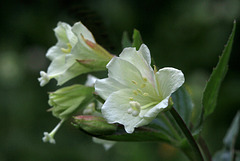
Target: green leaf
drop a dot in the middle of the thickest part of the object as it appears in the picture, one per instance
(231, 136)
(140, 134)
(229, 152)
(126, 42)
(183, 104)
(137, 39)
(211, 90)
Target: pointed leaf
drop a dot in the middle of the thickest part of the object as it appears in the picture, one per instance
(231, 136)
(229, 152)
(137, 39)
(211, 90)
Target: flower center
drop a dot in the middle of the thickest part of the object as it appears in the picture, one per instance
(135, 108)
(68, 49)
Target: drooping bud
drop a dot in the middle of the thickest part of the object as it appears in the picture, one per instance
(65, 101)
(94, 125)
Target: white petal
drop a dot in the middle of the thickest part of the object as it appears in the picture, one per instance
(124, 72)
(54, 52)
(79, 29)
(64, 34)
(60, 32)
(140, 59)
(90, 80)
(115, 109)
(154, 111)
(63, 70)
(168, 81)
(144, 51)
(105, 87)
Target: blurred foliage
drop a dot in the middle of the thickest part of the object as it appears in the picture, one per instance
(188, 35)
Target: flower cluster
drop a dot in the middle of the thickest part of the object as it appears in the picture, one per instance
(134, 92)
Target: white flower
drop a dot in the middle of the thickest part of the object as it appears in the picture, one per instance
(134, 93)
(75, 53)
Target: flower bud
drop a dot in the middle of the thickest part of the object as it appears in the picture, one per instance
(94, 125)
(65, 101)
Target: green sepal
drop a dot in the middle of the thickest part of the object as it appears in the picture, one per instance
(137, 39)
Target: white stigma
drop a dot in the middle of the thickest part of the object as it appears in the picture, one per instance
(49, 137)
(44, 79)
(135, 108)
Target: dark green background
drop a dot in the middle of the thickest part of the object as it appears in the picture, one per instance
(188, 35)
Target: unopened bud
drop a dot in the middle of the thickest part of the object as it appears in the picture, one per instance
(94, 125)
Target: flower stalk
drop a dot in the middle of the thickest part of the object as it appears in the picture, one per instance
(187, 133)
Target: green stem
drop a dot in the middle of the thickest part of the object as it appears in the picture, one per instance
(169, 124)
(187, 133)
(204, 148)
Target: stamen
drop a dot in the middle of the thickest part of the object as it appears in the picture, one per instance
(149, 105)
(135, 92)
(145, 94)
(68, 50)
(143, 85)
(134, 82)
(144, 79)
(155, 69)
(139, 91)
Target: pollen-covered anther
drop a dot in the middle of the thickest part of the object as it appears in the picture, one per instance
(134, 82)
(145, 94)
(68, 50)
(140, 91)
(135, 92)
(135, 108)
(144, 79)
(143, 85)
(131, 98)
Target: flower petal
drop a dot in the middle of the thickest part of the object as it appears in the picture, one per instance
(116, 107)
(105, 87)
(91, 80)
(80, 30)
(63, 70)
(54, 52)
(64, 34)
(141, 59)
(124, 72)
(60, 32)
(154, 111)
(168, 81)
